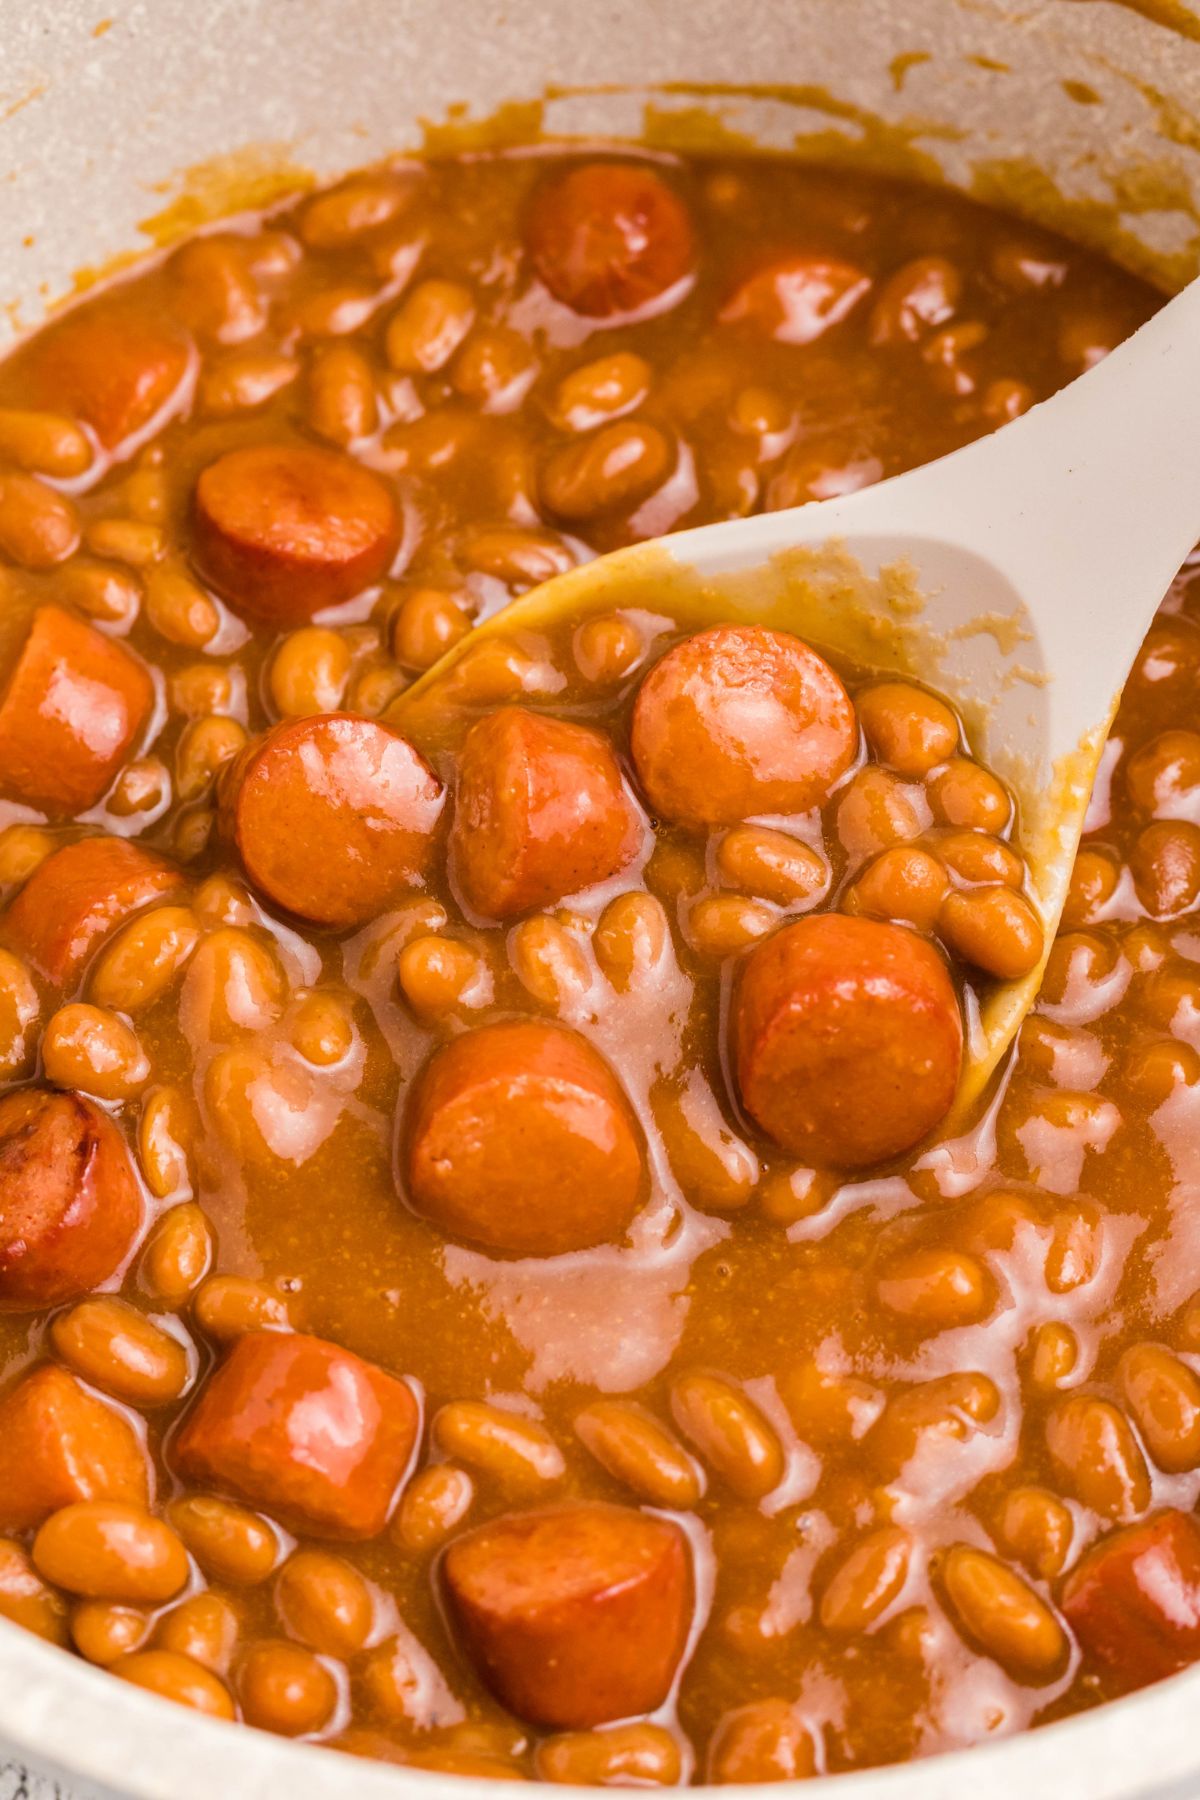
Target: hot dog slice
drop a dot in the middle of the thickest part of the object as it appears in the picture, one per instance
(73, 708)
(540, 812)
(847, 1039)
(518, 1137)
(114, 365)
(69, 1204)
(610, 238)
(1134, 1600)
(574, 1615)
(283, 530)
(737, 721)
(58, 1444)
(307, 1430)
(77, 896)
(332, 816)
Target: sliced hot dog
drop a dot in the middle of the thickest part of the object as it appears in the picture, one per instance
(304, 1429)
(77, 896)
(115, 365)
(540, 812)
(72, 710)
(69, 1204)
(609, 238)
(737, 721)
(574, 1615)
(1134, 1600)
(518, 1137)
(847, 1039)
(59, 1444)
(332, 816)
(283, 530)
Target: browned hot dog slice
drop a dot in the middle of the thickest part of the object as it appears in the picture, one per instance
(1134, 1600)
(333, 816)
(283, 530)
(113, 365)
(72, 710)
(76, 897)
(574, 1615)
(305, 1429)
(59, 1444)
(540, 812)
(69, 1204)
(847, 1039)
(609, 238)
(737, 721)
(518, 1137)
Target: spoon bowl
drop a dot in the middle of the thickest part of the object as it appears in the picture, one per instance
(1016, 577)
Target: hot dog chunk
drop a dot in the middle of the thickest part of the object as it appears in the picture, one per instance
(283, 530)
(304, 1429)
(115, 365)
(574, 1615)
(74, 706)
(737, 721)
(333, 816)
(518, 1137)
(1134, 1600)
(59, 1444)
(77, 896)
(69, 1204)
(610, 238)
(541, 811)
(847, 1039)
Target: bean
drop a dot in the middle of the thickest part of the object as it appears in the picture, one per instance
(143, 786)
(904, 884)
(167, 1131)
(765, 1740)
(178, 1678)
(909, 730)
(721, 925)
(44, 443)
(204, 1628)
(227, 1306)
(963, 794)
(335, 311)
(25, 1598)
(867, 1582)
(519, 555)
(994, 928)
(516, 1452)
(234, 983)
(39, 528)
(613, 470)
(22, 848)
(607, 647)
(632, 938)
(179, 609)
(641, 1755)
(1163, 1395)
(108, 1550)
(1054, 1352)
(428, 622)
(221, 900)
(946, 1410)
(549, 964)
(600, 390)
(230, 1543)
(240, 383)
(341, 395)
(285, 1688)
(637, 1450)
(92, 1049)
(1094, 881)
(1165, 865)
(495, 369)
(976, 857)
(19, 1010)
(1038, 1529)
(214, 292)
(1093, 1448)
(202, 688)
(1076, 1247)
(429, 326)
(101, 590)
(730, 1433)
(938, 1288)
(129, 541)
(771, 865)
(142, 961)
(716, 1169)
(309, 672)
(178, 1252)
(433, 1503)
(103, 1630)
(321, 1029)
(117, 1348)
(438, 974)
(828, 1410)
(204, 748)
(325, 1602)
(365, 203)
(1002, 1614)
(876, 810)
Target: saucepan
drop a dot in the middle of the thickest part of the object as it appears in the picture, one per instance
(124, 122)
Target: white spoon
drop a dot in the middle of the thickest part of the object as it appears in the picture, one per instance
(1040, 554)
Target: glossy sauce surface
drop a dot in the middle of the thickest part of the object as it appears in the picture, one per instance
(890, 1409)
